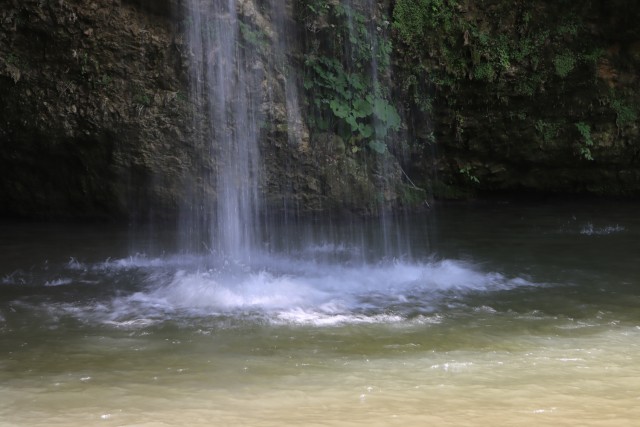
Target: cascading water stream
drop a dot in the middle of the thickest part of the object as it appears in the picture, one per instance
(367, 25)
(242, 75)
(282, 45)
(226, 84)
(284, 32)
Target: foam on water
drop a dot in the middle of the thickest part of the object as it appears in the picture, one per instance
(59, 282)
(590, 230)
(275, 289)
(284, 290)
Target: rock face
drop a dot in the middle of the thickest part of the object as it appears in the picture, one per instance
(521, 96)
(96, 118)
(93, 108)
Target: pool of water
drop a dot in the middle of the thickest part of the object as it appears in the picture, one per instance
(472, 314)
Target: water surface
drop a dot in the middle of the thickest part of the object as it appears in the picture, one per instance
(483, 314)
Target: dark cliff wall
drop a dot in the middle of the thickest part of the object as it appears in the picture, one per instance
(97, 121)
(95, 116)
(92, 106)
(522, 96)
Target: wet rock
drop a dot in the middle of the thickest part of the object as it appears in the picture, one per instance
(546, 101)
(77, 111)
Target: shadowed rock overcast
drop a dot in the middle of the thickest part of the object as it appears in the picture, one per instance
(355, 105)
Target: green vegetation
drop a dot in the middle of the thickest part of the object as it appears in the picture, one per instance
(12, 59)
(564, 64)
(512, 47)
(367, 116)
(140, 97)
(105, 80)
(548, 131)
(466, 172)
(506, 82)
(345, 96)
(253, 36)
(484, 71)
(625, 114)
(587, 142)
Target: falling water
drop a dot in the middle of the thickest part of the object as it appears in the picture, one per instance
(282, 45)
(239, 60)
(226, 77)
(243, 76)
(371, 32)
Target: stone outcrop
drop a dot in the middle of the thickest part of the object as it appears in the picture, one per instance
(523, 96)
(96, 119)
(95, 114)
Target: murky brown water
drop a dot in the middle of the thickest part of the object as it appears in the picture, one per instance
(502, 315)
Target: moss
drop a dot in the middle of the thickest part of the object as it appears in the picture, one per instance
(586, 141)
(625, 113)
(524, 85)
(451, 47)
(412, 196)
(547, 131)
(564, 63)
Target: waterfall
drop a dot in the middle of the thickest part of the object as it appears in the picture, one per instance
(367, 27)
(226, 80)
(284, 43)
(245, 89)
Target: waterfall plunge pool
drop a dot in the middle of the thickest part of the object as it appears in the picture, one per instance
(495, 314)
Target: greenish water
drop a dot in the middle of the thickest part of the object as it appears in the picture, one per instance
(486, 314)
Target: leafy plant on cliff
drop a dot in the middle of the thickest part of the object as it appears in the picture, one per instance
(12, 59)
(564, 64)
(584, 149)
(468, 174)
(444, 43)
(360, 114)
(341, 76)
(548, 131)
(253, 36)
(624, 112)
